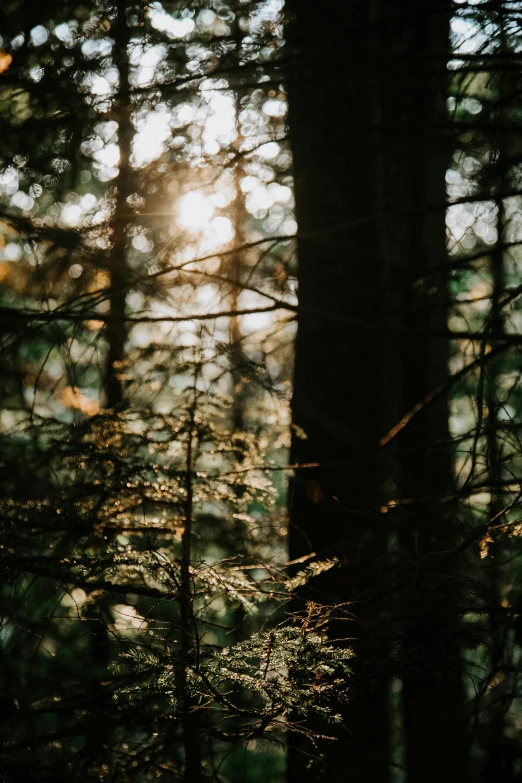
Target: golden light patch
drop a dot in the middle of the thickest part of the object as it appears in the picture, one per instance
(102, 280)
(94, 325)
(5, 61)
(72, 397)
(484, 546)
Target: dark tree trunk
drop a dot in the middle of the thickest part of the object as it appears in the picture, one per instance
(233, 269)
(190, 718)
(436, 744)
(366, 108)
(499, 756)
(118, 268)
(339, 395)
(98, 610)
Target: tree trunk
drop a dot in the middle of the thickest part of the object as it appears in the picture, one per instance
(499, 761)
(118, 268)
(98, 610)
(436, 744)
(366, 108)
(339, 394)
(190, 721)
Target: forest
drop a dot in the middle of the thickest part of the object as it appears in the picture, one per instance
(261, 391)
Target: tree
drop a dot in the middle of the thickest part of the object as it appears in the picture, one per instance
(429, 531)
(371, 347)
(153, 625)
(339, 411)
(486, 103)
(148, 520)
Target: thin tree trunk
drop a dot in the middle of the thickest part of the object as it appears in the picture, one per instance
(237, 371)
(98, 611)
(498, 767)
(189, 634)
(239, 215)
(118, 268)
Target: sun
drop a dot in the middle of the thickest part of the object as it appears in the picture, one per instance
(195, 210)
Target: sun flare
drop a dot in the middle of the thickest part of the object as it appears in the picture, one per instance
(195, 210)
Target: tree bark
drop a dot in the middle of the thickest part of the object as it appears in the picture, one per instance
(499, 761)
(435, 721)
(116, 332)
(366, 93)
(339, 400)
(116, 329)
(190, 722)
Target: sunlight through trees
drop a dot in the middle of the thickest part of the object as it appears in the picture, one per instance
(260, 391)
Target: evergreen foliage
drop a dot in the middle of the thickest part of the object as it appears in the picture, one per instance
(160, 618)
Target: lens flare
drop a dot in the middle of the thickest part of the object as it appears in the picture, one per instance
(195, 210)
